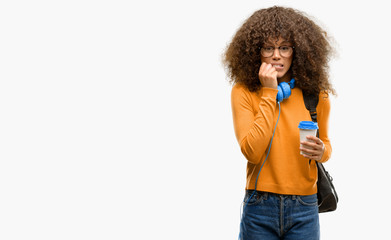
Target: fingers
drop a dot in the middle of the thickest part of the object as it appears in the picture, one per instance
(269, 72)
(313, 148)
(312, 154)
(268, 75)
(313, 138)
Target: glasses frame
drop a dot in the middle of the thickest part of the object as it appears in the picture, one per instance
(279, 51)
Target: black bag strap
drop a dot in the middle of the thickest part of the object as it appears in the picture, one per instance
(311, 102)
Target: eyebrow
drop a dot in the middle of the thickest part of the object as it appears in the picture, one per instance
(283, 43)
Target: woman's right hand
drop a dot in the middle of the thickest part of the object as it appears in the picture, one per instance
(268, 76)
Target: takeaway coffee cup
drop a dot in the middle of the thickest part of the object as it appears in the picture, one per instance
(307, 128)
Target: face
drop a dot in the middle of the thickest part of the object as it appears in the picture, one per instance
(281, 63)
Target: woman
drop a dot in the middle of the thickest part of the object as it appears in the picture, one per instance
(273, 46)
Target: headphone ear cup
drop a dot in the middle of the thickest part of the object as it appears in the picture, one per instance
(280, 94)
(284, 91)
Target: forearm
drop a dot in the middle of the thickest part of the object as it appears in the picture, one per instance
(323, 122)
(327, 152)
(254, 129)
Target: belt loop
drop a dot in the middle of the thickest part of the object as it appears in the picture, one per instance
(265, 195)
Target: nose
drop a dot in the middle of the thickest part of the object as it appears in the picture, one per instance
(276, 53)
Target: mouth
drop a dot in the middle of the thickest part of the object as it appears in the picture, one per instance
(278, 66)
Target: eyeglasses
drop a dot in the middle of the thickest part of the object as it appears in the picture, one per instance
(285, 51)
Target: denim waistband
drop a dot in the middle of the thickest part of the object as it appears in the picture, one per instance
(266, 194)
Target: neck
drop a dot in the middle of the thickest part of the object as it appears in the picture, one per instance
(285, 78)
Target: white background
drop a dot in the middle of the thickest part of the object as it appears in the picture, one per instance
(115, 119)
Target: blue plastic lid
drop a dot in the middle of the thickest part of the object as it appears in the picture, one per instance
(308, 125)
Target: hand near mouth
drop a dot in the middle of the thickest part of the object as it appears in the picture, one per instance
(268, 76)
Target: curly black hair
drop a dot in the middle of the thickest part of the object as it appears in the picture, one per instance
(312, 49)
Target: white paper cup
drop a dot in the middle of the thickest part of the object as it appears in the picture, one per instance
(307, 128)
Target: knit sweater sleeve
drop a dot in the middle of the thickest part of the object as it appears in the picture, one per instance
(323, 110)
(253, 127)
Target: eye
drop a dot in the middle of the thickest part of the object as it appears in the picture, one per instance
(285, 48)
(268, 48)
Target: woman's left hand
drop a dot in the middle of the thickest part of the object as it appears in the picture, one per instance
(312, 149)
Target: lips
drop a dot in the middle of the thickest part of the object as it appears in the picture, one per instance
(278, 66)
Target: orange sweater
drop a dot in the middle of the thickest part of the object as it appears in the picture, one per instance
(255, 116)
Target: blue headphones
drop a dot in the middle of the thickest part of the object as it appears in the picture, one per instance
(284, 90)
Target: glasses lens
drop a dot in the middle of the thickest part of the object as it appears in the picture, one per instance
(285, 51)
(267, 51)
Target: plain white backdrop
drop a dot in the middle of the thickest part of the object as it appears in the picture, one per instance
(115, 119)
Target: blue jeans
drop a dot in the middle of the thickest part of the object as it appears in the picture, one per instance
(273, 216)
